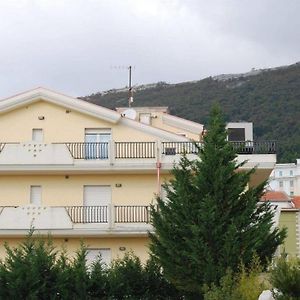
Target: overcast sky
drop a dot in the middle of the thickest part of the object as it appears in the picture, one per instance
(78, 46)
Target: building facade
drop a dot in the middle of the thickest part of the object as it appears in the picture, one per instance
(83, 172)
(286, 177)
(287, 215)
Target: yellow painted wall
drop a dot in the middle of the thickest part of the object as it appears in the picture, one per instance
(158, 122)
(57, 190)
(288, 219)
(138, 245)
(59, 126)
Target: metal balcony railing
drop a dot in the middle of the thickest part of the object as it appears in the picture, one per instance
(253, 147)
(241, 147)
(132, 214)
(135, 149)
(173, 148)
(88, 214)
(89, 150)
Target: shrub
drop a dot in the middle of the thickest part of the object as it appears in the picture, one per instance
(156, 284)
(285, 277)
(126, 278)
(98, 286)
(36, 270)
(247, 284)
(29, 271)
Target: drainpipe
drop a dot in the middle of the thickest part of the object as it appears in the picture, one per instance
(158, 166)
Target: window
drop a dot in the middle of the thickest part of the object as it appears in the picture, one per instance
(291, 183)
(280, 173)
(37, 135)
(36, 194)
(97, 143)
(291, 173)
(94, 253)
(236, 134)
(281, 184)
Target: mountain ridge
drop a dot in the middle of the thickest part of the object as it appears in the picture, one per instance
(267, 97)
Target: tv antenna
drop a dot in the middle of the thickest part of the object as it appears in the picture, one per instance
(130, 88)
(130, 92)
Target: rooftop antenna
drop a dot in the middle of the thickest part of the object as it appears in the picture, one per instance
(130, 88)
(130, 92)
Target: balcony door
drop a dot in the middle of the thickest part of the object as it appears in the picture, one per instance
(96, 200)
(97, 143)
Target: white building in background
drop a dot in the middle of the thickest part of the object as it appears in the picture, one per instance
(286, 177)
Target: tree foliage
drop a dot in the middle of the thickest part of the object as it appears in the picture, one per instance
(247, 284)
(36, 270)
(285, 277)
(211, 220)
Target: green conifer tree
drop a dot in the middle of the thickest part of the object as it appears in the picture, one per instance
(211, 220)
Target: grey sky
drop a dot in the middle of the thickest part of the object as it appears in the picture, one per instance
(71, 45)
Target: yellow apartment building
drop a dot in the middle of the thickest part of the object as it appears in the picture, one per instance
(83, 172)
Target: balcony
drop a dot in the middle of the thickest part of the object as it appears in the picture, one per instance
(119, 156)
(76, 220)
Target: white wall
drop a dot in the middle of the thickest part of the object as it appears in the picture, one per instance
(282, 176)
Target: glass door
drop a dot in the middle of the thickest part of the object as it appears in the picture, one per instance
(96, 145)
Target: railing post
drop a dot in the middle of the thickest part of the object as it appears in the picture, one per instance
(158, 150)
(111, 152)
(111, 215)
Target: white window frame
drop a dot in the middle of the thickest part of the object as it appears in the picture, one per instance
(97, 151)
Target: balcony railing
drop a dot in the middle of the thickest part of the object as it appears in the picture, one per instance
(253, 147)
(173, 148)
(135, 149)
(88, 214)
(100, 214)
(242, 147)
(150, 150)
(132, 214)
(88, 150)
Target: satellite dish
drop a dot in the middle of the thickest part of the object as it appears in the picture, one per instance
(129, 113)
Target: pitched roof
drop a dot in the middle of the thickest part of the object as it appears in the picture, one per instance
(296, 201)
(82, 106)
(275, 196)
(39, 93)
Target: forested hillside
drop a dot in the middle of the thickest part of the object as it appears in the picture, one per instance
(270, 99)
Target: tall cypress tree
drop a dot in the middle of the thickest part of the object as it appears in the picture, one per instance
(211, 219)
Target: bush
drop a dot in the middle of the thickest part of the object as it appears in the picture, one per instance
(129, 279)
(248, 284)
(29, 271)
(36, 270)
(156, 284)
(285, 277)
